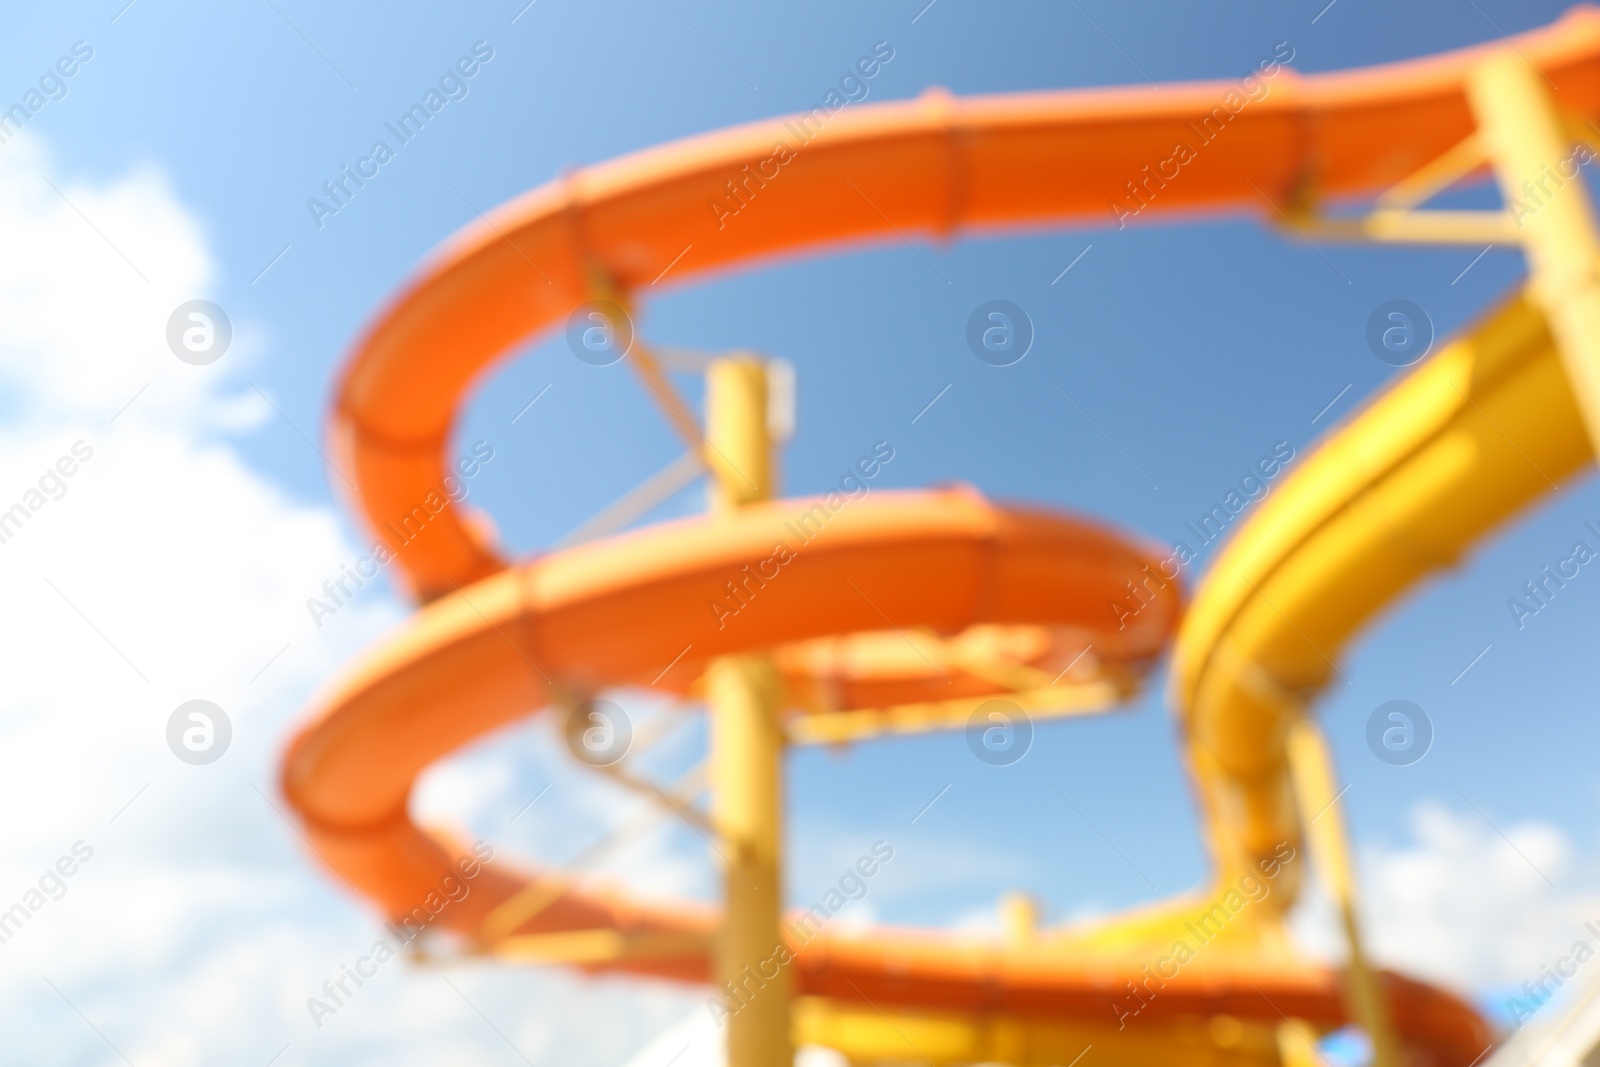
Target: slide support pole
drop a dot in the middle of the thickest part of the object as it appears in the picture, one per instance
(1524, 137)
(745, 696)
(1314, 780)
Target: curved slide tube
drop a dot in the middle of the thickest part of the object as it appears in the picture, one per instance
(1480, 431)
(1346, 533)
(599, 615)
(621, 612)
(937, 165)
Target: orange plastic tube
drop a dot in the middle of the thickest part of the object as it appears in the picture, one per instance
(626, 610)
(935, 165)
(610, 613)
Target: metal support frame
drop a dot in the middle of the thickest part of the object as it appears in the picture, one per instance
(1529, 141)
(1330, 849)
(745, 694)
(1528, 144)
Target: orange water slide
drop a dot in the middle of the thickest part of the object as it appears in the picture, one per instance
(476, 660)
(499, 641)
(633, 611)
(937, 165)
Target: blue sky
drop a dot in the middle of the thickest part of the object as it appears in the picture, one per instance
(1194, 347)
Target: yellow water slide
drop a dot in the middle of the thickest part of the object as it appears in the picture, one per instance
(1435, 464)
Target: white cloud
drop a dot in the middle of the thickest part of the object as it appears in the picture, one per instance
(164, 569)
(1461, 905)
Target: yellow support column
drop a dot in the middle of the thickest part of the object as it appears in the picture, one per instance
(1522, 134)
(1312, 768)
(745, 697)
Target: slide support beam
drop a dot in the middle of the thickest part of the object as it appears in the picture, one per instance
(745, 695)
(1525, 138)
(1314, 780)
